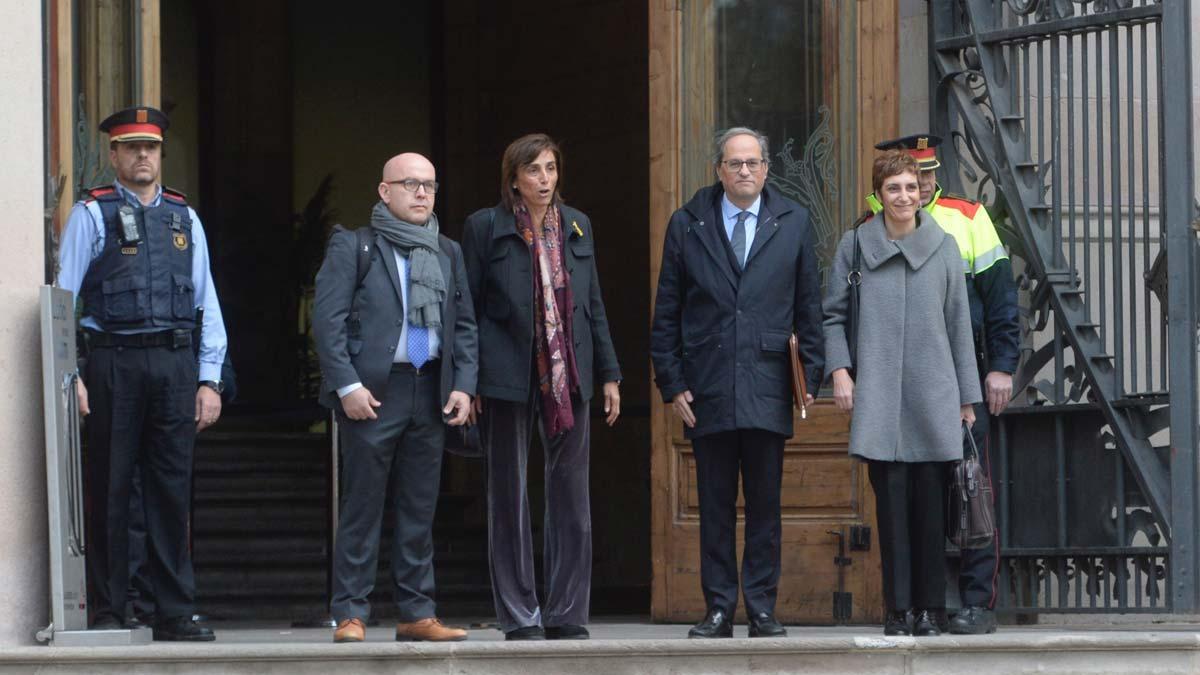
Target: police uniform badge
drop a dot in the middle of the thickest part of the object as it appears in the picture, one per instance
(180, 240)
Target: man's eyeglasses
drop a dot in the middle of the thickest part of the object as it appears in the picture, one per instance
(735, 165)
(411, 184)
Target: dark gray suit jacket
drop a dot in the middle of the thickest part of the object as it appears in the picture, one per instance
(361, 349)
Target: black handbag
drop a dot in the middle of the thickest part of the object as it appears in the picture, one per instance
(970, 512)
(854, 279)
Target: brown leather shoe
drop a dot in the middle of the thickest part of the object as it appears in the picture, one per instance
(428, 630)
(350, 630)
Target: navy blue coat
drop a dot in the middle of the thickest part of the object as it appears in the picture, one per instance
(722, 332)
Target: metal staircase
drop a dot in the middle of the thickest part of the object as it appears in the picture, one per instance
(1014, 98)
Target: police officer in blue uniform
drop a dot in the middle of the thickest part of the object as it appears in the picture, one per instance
(136, 256)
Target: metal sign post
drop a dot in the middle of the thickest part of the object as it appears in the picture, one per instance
(64, 484)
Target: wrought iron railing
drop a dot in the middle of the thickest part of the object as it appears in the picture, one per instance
(1054, 111)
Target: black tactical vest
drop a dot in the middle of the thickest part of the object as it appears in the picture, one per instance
(145, 284)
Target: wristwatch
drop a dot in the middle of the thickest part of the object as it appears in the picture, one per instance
(216, 385)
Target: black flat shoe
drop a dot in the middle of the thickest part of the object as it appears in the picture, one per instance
(526, 633)
(896, 623)
(716, 624)
(925, 623)
(765, 625)
(182, 629)
(567, 631)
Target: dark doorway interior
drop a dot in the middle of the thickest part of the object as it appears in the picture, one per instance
(281, 120)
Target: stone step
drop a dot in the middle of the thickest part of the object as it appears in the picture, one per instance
(636, 649)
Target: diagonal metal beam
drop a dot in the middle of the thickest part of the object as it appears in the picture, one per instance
(1046, 256)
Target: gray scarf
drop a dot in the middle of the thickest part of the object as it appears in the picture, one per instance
(418, 243)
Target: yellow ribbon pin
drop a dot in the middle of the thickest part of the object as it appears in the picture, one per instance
(576, 226)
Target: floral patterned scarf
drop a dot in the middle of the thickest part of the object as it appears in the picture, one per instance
(553, 340)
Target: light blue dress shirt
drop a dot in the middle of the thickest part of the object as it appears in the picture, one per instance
(82, 242)
(401, 355)
(729, 213)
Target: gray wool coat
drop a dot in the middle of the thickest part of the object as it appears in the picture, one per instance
(916, 358)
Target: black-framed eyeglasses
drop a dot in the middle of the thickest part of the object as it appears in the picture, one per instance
(735, 165)
(411, 184)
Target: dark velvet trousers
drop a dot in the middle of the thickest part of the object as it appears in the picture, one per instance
(978, 567)
(143, 410)
(910, 502)
(506, 430)
(757, 456)
(401, 451)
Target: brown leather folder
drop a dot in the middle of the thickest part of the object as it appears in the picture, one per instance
(799, 382)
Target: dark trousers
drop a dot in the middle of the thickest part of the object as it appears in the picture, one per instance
(401, 450)
(910, 515)
(506, 430)
(140, 594)
(143, 409)
(978, 566)
(758, 457)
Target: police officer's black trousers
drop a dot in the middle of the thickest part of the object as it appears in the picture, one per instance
(143, 409)
(758, 457)
(978, 566)
(910, 513)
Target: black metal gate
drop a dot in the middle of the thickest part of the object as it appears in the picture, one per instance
(1072, 120)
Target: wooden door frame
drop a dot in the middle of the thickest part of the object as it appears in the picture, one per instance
(61, 106)
(877, 93)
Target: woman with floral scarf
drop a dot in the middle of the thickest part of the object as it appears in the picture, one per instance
(543, 342)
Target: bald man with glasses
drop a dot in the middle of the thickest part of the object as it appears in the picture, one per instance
(395, 334)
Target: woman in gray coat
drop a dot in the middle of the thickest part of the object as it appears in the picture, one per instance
(912, 384)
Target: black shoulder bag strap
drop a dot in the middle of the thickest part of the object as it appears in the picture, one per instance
(362, 260)
(854, 279)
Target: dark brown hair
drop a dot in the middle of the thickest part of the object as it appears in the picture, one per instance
(522, 152)
(892, 163)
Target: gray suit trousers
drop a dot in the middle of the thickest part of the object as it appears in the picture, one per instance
(403, 449)
(507, 429)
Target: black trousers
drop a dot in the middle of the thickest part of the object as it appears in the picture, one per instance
(400, 451)
(978, 567)
(507, 429)
(143, 409)
(758, 457)
(910, 515)
(140, 594)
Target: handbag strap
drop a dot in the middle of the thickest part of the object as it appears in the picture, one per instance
(974, 454)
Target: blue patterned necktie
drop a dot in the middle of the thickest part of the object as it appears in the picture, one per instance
(738, 241)
(418, 342)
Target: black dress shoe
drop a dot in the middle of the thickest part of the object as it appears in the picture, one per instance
(973, 621)
(716, 624)
(567, 631)
(924, 623)
(182, 629)
(896, 623)
(765, 625)
(107, 622)
(526, 633)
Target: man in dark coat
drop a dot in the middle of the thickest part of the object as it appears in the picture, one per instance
(739, 276)
(395, 334)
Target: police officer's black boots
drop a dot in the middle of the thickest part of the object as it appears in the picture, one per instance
(973, 621)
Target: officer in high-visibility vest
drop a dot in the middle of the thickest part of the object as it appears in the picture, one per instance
(993, 299)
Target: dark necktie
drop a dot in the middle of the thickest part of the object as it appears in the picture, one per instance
(739, 238)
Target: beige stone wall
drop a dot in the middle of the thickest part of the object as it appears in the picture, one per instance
(23, 547)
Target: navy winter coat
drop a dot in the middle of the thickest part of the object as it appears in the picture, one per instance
(722, 332)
